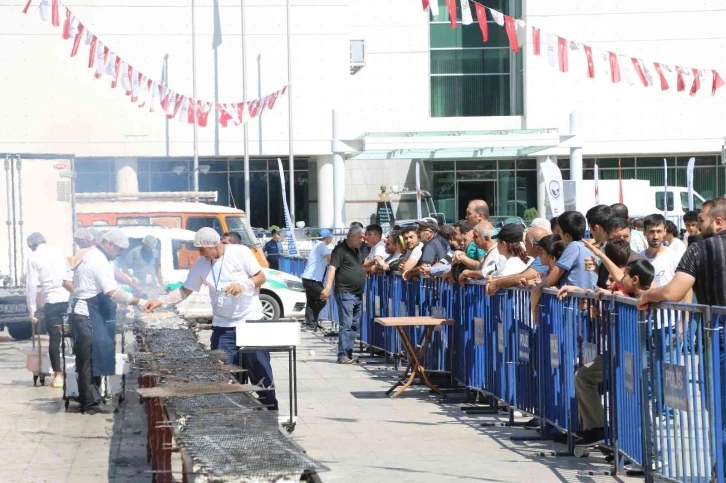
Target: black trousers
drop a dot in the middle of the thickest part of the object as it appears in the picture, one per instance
(53, 319)
(88, 393)
(274, 263)
(314, 305)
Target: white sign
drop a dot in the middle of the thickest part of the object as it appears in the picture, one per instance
(553, 187)
(554, 351)
(478, 331)
(500, 337)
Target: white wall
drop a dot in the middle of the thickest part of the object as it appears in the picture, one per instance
(623, 119)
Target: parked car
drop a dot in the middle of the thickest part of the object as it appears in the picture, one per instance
(282, 295)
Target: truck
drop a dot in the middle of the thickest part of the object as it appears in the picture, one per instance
(38, 193)
(639, 196)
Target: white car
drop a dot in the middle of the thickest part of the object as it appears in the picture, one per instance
(282, 295)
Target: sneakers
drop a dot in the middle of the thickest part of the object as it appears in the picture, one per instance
(533, 423)
(345, 360)
(57, 381)
(592, 437)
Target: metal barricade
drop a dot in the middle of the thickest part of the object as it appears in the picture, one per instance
(522, 333)
(716, 385)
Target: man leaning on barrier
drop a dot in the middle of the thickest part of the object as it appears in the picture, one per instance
(484, 238)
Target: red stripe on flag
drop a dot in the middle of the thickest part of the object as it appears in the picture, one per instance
(67, 26)
(92, 52)
(426, 4)
(614, 67)
(536, 41)
(639, 71)
(451, 5)
(680, 82)
(696, 82)
(717, 83)
(620, 181)
(77, 40)
(27, 6)
(511, 30)
(562, 54)
(55, 14)
(481, 17)
(116, 69)
(663, 82)
(590, 62)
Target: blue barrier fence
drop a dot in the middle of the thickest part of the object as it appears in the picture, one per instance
(659, 374)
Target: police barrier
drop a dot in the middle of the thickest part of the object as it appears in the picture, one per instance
(659, 375)
(296, 266)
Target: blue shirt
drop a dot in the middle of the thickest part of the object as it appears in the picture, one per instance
(315, 268)
(273, 249)
(573, 263)
(539, 267)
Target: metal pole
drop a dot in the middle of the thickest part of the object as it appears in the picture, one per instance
(195, 168)
(289, 116)
(246, 124)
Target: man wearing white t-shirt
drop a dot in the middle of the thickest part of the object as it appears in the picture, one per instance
(664, 261)
(373, 237)
(234, 277)
(314, 276)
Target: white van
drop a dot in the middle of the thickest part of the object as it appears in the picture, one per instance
(282, 295)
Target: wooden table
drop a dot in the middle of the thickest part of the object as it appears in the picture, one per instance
(415, 353)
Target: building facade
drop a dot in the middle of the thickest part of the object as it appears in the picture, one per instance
(377, 86)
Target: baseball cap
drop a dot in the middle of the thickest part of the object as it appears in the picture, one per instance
(511, 233)
(325, 233)
(428, 223)
(149, 241)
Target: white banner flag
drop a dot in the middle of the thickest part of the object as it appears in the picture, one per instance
(418, 191)
(551, 50)
(689, 182)
(291, 243)
(665, 188)
(465, 12)
(553, 184)
(597, 185)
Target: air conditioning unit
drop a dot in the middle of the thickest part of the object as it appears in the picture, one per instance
(357, 55)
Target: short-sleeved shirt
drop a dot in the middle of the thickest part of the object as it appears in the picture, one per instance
(664, 266)
(315, 268)
(677, 246)
(349, 274)
(474, 252)
(638, 242)
(144, 264)
(706, 262)
(539, 267)
(572, 262)
(434, 250)
(94, 275)
(236, 265)
(412, 254)
(378, 250)
(602, 272)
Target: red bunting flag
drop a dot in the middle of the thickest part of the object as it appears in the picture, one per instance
(116, 69)
(67, 26)
(203, 113)
(55, 14)
(639, 70)
(27, 6)
(426, 4)
(511, 29)
(536, 41)
(663, 82)
(717, 83)
(590, 62)
(614, 67)
(92, 52)
(481, 17)
(77, 40)
(696, 82)
(451, 5)
(562, 54)
(680, 83)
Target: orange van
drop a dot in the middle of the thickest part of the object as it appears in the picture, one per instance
(186, 215)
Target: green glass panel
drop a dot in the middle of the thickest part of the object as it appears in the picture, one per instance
(443, 36)
(613, 162)
(464, 96)
(654, 162)
(527, 163)
(472, 61)
(506, 192)
(443, 166)
(476, 175)
(506, 164)
(476, 165)
(443, 194)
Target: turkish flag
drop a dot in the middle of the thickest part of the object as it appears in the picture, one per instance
(511, 30)
(67, 26)
(696, 82)
(92, 52)
(535, 41)
(562, 54)
(663, 82)
(614, 67)
(77, 40)
(451, 5)
(203, 113)
(717, 83)
(590, 62)
(481, 16)
(426, 4)
(116, 70)
(639, 70)
(55, 14)
(680, 83)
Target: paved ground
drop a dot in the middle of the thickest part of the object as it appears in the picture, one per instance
(345, 422)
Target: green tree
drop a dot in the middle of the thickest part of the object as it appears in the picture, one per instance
(530, 214)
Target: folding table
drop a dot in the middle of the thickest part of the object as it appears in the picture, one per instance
(415, 353)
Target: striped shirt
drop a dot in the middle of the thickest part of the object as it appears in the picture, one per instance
(706, 262)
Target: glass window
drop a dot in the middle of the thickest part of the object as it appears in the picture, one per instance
(444, 194)
(506, 164)
(529, 163)
(184, 254)
(196, 223)
(613, 162)
(526, 191)
(656, 162)
(470, 95)
(95, 182)
(476, 165)
(697, 203)
(443, 165)
(470, 61)
(659, 201)
(237, 224)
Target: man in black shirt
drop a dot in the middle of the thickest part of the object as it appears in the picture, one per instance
(346, 269)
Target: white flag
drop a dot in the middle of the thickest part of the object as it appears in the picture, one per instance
(689, 182)
(552, 49)
(143, 91)
(100, 65)
(45, 9)
(111, 65)
(465, 12)
(135, 86)
(626, 67)
(155, 97)
(553, 184)
(498, 17)
(418, 191)
(74, 26)
(125, 78)
(649, 71)
(434, 7)
(291, 243)
(184, 111)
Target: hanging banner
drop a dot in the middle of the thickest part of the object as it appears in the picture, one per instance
(620, 181)
(291, 243)
(597, 185)
(553, 184)
(689, 181)
(418, 191)
(665, 188)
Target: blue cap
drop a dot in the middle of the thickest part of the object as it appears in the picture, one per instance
(325, 233)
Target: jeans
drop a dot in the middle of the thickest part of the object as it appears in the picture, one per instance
(349, 311)
(256, 363)
(314, 305)
(88, 393)
(53, 318)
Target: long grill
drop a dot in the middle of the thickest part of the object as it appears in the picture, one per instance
(222, 437)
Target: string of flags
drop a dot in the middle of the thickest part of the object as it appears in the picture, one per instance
(142, 89)
(597, 63)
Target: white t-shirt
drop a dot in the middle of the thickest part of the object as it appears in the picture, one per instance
(47, 268)
(236, 265)
(316, 265)
(94, 275)
(664, 266)
(492, 262)
(416, 253)
(378, 250)
(677, 246)
(511, 266)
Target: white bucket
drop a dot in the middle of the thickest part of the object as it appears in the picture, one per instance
(114, 382)
(31, 360)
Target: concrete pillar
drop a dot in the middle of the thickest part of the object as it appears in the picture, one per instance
(576, 149)
(326, 194)
(338, 151)
(127, 181)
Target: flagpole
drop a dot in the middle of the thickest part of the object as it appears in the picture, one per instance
(289, 116)
(195, 168)
(245, 131)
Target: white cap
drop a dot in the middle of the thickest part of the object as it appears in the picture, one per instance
(149, 241)
(207, 237)
(83, 234)
(35, 239)
(116, 237)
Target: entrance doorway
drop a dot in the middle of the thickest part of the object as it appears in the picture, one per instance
(475, 190)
